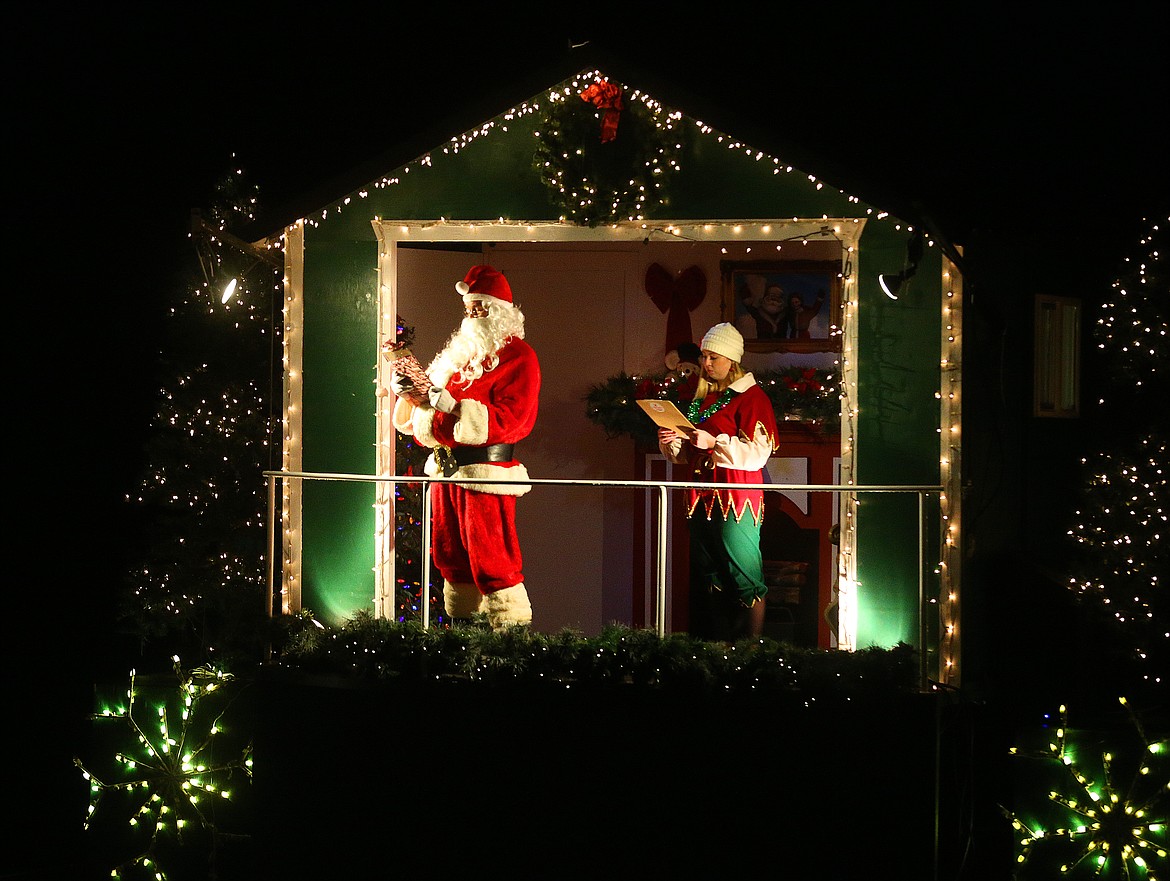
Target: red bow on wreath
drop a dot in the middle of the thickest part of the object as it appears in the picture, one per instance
(677, 297)
(608, 97)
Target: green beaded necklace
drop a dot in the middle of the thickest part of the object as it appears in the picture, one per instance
(695, 416)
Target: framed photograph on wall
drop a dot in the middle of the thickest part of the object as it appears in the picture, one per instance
(784, 305)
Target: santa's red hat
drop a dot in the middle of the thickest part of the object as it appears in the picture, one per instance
(485, 281)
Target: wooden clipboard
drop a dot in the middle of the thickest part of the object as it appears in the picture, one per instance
(666, 415)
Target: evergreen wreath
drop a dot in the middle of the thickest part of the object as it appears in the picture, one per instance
(606, 155)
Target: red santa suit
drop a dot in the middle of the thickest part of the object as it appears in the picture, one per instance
(473, 431)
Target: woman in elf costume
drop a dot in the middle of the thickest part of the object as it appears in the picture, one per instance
(735, 433)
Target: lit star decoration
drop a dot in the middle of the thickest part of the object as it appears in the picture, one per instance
(1103, 823)
(176, 770)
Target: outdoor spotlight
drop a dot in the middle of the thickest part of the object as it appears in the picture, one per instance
(892, 283)
(228, 290)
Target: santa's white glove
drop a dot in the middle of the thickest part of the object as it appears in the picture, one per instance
(402, 385)
(442, 401)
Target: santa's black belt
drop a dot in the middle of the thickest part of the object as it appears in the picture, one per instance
(450, 461)
(479, 455)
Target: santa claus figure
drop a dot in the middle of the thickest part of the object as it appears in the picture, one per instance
(483, 401)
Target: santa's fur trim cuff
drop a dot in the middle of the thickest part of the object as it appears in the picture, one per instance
(472, 427)
(461, 600)
(424, 418)
(508, 607)
(403, 416)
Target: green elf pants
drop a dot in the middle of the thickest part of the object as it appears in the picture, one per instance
(726, 575)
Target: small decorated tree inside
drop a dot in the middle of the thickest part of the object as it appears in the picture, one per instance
(409, 458)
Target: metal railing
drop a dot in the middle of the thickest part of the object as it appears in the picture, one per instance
(273, 477)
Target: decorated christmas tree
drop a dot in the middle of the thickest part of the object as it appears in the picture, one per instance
(1120, 527)
(199, 585)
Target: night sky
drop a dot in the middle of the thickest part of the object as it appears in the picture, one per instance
(996, 120)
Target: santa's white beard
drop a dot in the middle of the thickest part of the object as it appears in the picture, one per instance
(481, 335)
(472, 348)
(476, 341)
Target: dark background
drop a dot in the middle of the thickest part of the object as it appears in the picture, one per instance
(1037, 138)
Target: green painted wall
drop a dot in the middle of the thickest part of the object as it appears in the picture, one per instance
(897, 435)
(339, 426)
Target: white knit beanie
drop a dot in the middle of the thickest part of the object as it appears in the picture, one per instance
(724, 339)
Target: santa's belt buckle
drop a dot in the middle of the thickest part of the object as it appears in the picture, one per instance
(446, 461)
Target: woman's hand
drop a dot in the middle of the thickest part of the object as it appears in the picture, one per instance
(667, 436)
(702, 440)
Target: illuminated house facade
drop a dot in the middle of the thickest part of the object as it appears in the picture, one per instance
(578, 224)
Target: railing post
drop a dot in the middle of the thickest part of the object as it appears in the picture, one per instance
(425, 492)
(270, 592)
(660, 612)
(922, 672)
(271, 481)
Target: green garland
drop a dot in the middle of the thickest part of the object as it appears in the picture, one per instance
(370, 649)
(593, 182)
(804, 394)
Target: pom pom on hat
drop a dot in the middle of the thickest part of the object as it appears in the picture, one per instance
(724, 339)
(485, 281)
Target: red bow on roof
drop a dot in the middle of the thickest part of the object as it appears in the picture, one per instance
(608, 97)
